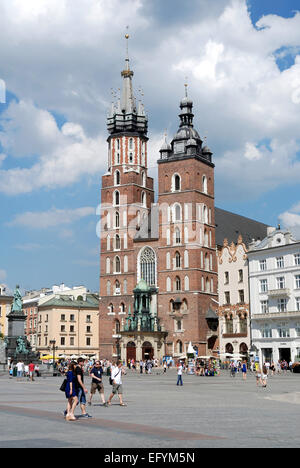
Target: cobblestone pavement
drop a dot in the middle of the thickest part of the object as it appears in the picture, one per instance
(205, 412)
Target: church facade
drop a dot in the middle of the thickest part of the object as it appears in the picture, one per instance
(158, 279)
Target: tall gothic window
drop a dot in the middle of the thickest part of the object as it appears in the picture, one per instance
(148, 266)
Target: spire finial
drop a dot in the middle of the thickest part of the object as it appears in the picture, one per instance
(127, 41)
(186, 86)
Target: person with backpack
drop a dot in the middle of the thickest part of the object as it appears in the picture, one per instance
(116, 382)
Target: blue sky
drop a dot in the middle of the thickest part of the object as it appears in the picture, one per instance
(60, 61)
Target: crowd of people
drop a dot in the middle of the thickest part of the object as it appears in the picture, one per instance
(21, 370)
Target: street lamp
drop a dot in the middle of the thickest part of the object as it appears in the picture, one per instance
(53, 343)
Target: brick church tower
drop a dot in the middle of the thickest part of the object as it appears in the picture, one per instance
(126, 198)
(187, 251)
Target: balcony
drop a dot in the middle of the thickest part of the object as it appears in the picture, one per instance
(284, 292)
(275, 315)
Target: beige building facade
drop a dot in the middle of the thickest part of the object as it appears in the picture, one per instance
(71, 323)
(5, 306)
(233, 311)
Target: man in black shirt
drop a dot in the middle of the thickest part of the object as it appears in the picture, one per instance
(97, 384)
(82, 390)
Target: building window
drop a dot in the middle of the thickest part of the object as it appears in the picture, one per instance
(241, 276)
(117, 198)
(179, 325)
(263, 265)
(177, 284)
(62, 341)
(226, 277)
(241, 296)
(72, 341)
(263, 286)
(280, 282)
(298, 304)
(266, 331)
(72, 329)
(88, 329)
(282, 305)
(117, 242)
(227, 297)
(280, 262)
(63, 318)
(117, 288)
(264, 307)
(177, 182)
(117, 178)
(117, 265)
(283, 330)
(148, 266)
(297, 259)
(117, 219)
(88, 341)
(229, 324)
(177, 260)
(177, 236)
(72, 317)
(297, 279)
(204, 184)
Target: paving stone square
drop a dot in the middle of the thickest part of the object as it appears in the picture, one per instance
(206, 412)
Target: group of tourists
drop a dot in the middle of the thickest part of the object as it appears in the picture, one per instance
(76, 391)
(21, 370)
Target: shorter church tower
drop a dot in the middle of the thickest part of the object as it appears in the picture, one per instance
(187, 253)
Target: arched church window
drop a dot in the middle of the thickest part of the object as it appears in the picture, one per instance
(148, 266)
(117, 178)
(117, 265)
(117, 198)
(204, 184)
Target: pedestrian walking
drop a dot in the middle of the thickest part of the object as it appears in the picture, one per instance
(31, 371)
(117, 386)
(20, 370)
(179, 375)
(82, 390)
(244, 370)
(264, 377)
(71, 392)
(258, 376)
(97, 382)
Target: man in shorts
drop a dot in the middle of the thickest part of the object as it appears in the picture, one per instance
(81, 389)
(97, 384)
(116, 377)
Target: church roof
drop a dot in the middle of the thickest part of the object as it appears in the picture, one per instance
(230, 225)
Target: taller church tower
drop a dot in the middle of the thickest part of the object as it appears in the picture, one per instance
(126, 197)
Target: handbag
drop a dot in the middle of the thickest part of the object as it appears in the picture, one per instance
(64, 385)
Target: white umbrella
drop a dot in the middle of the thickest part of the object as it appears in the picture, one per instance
(74, 356)
(190, 349)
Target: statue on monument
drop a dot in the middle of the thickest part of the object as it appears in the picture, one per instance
(17, 304)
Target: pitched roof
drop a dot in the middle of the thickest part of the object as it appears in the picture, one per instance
(230, 225)
(91, 302)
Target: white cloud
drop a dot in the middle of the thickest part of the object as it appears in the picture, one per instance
(291, 219)
(241, 97)
(51, 218)
(62, 156)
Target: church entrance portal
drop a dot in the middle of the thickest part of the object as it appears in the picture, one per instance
(148, 351)
(131, 351)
